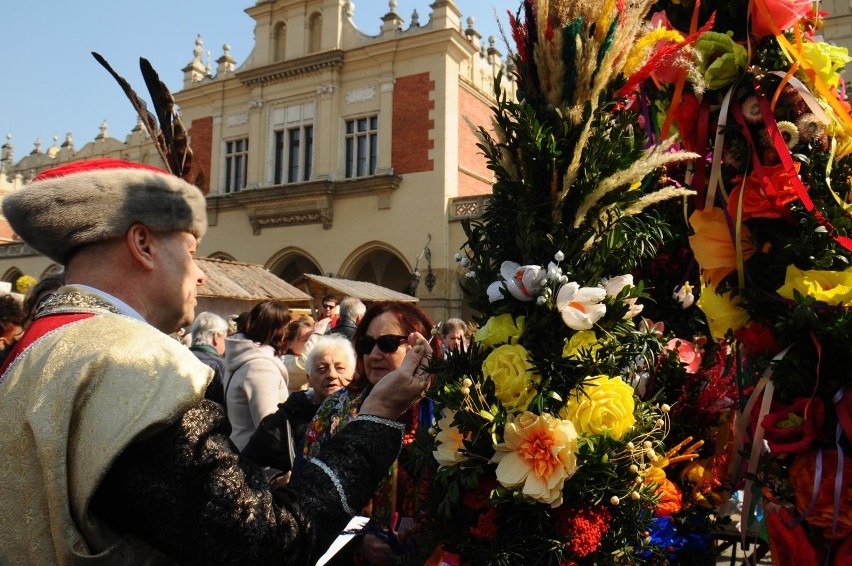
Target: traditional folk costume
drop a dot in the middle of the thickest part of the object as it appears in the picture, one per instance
(108, 452)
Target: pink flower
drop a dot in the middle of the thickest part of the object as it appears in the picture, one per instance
(784, 14)
(688, 353)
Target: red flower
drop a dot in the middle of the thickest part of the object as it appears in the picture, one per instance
(478, 498)
(684, 117)
(485, 527)
(766, 193)
(584, 527)
(793, 428)
(758, 339)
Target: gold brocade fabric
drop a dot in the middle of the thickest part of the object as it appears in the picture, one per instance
(70, 403)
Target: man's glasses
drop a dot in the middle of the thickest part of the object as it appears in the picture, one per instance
(389, 343)
(327, 306)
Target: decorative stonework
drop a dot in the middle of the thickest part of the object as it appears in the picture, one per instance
(237, 119)
(323, 216)
(467, 207)
(16, 249)
(283, 70)
(360, 95)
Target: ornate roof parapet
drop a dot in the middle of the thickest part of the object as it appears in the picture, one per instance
(225, 64)
(196, 71)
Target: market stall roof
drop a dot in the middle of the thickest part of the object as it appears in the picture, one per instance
(245, 282)
(319, 285)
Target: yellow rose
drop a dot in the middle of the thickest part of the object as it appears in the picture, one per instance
(832, 287)
(501, 329)
(508, 368)
(605, 405)
(585, 340)
(722, 312)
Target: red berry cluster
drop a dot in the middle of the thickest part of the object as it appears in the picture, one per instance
(585, 527)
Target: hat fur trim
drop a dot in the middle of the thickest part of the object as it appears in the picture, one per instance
(56, 214)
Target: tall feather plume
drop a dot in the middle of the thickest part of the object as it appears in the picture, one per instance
(170, 140)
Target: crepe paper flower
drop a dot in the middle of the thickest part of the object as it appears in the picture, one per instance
(584, 528)
(538, 453)
(758, 339)
(722, 60)
(502, 329)
(688, 353)
(801, 476)
(788, 541)
(449, 441)
(683, 295)
(615, 285)
(684, 117)
(604, 405)
(580, 306)
(486, 527)
(523, 282)
(793, 428)
(826, 60)
(671, 498)
(479, 498)
(784, 13)
(765, 195)
(712, 243)
(722, 312)
(830, 287)
(583, 342)
(509, 368)
(649, 326)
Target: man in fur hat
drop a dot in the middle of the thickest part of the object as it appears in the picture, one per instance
(109, 454)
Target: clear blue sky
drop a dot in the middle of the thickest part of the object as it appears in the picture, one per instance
(52, 85)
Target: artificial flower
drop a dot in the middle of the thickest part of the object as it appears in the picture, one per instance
(651, 327)
(784, 14)
(615, 285)
(502, 329)
(826, 60)
(723, 313)
(684, 116)
(788, 541)
(683, 295)
(688, 353)
(831, 287)
(671, 498)
(765, 194)
(584, 341)
(713, 244)
(604, 405)
(509, 368)
(486, 527)
(794, 428)
(523, 282)
(820, 511)
(449, 441)
(580, 306)
(538, 453)
(722, 60)
(758, 339)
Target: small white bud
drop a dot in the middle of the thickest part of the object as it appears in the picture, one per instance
(559, 256)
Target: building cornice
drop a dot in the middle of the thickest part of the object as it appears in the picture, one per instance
(16, 249)
(300, 203)
(284, 70)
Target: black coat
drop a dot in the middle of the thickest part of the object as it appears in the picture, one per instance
(279, 437)
(209, 356)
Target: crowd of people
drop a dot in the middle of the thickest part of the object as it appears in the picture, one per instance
(252, 438)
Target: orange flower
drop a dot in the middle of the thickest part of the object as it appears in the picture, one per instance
(802, 481)
(713, 243)
(671, 498)
(765, 196)
(538, 453)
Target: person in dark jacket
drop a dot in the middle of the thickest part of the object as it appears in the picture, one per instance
(277, 442)
(208, 332)
(351, 312)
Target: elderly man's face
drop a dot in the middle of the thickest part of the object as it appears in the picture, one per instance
(454, 339)
(180, 277)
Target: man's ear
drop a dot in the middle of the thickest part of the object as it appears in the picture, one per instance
(140, 242)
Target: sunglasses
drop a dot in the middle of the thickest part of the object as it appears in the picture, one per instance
(326, 306)
(389, 343)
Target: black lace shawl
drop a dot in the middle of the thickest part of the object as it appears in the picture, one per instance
(187, 493)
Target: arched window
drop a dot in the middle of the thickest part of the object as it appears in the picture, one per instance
(315, 33)
(291, 263)
(279, 41)
(380, 264)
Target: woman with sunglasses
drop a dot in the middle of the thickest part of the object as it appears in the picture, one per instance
(381, 344)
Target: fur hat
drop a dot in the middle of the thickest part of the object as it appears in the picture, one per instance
(97, 200)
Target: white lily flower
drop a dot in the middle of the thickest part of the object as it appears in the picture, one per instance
(616, 285)
(683, 295)
(522, 281)
(580, 306)
(554, 272)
